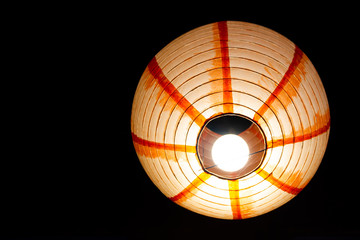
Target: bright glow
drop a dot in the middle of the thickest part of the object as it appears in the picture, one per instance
(230, 152)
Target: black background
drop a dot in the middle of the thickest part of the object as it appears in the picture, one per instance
(70, 168)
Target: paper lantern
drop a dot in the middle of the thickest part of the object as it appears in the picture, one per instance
(230, 70)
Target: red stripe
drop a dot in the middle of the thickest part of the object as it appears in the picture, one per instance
(226, 75)
(189, 190)
(235, 198)
(279, 184)
(298, 55)
(294, 139)
(164, 146)
(181, 101)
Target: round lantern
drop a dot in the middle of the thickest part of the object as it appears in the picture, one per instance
(230, 120)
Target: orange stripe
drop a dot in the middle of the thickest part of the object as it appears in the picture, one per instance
(276, 182)
(164, 146)
(298, 55)
(288, 140)
(189, 190)
(235, 198)
(158, 74)
(275, 143)
(226, 75)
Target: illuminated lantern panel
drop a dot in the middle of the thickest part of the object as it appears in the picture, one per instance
(230, 120)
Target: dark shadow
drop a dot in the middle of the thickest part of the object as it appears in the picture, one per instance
(229, 124)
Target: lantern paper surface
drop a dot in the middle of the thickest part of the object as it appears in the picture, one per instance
(230, 68)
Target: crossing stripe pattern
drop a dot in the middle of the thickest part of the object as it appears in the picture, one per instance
(230, 67)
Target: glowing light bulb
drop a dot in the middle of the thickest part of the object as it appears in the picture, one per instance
(230, 152)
